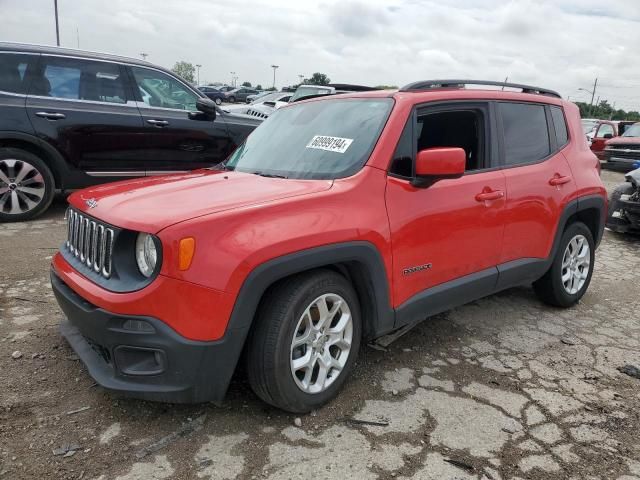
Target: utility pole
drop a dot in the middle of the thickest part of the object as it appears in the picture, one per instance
(144, 55)
(78, 36)
(55, 6)
(274, 74)
(198, 67)
(593, 94)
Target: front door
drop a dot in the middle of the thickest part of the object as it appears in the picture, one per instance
(453, 228)
(605, 132)
(82, 107)
(174, 140)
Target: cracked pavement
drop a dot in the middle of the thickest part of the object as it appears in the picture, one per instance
(502, 388)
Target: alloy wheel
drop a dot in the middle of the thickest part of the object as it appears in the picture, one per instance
(321, 343)
(576, 263)
(22, 187)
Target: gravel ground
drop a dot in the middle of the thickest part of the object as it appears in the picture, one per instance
(503, 388)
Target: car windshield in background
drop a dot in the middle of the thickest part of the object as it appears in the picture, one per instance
(632, 131)
(318, 140)
(302, 92)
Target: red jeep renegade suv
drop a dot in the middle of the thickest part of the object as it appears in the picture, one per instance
(340, 219)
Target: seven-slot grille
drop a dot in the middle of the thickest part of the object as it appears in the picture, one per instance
(90, 241)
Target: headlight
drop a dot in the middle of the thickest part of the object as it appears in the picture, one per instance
(146, 254)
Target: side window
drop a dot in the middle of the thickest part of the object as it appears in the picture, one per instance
(78, 79)
(161, 90)
(455, 128)
(13, 68)
(402, 163)
(526, 136)
(560, 126)
(605, 129)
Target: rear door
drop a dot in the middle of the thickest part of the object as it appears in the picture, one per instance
(539, 180)
(82, 108)
(175, 140)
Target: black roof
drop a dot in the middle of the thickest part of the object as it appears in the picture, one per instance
(72, 52)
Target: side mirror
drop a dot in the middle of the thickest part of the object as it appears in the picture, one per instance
(608, 135)
(433, 164)
(206, 106)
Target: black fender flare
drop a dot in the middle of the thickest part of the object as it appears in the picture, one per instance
(55, 160)
(361, 252)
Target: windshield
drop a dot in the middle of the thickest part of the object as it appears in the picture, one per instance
(589, 125)
(632, 131)
(318, 140)
(308, 91)
(268, 97)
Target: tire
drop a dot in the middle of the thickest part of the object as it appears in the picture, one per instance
(232, 99)
(32, 194)
(551, 288)
(218, 101)
(289, 311)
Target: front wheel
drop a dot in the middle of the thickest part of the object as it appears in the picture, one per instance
(218, 101)
(305, 341)
(26, 185)
(570, 274)
(232, 99)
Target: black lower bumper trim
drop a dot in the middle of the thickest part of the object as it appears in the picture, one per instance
(160, 364)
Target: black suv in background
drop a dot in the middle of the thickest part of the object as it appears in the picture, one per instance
(69, 119)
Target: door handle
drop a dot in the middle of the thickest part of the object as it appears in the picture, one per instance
(158, 123)
(51, 115)
(489, 196)
(558, 180)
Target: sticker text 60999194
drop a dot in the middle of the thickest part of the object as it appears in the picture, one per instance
(330, 144)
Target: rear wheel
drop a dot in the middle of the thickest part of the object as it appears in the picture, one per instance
(232, 99)
(570, 274)
(305, 341)
(26, 185)
(218, 101)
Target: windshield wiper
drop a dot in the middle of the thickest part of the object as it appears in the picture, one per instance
(268, 175)
(221, 166)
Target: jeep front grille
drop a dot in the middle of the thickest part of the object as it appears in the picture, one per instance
(90, 241)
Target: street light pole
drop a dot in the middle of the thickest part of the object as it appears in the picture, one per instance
(198, 67)
(144, 55)
(232, 78)
(274, 74)
(301, 78)
(55, 6)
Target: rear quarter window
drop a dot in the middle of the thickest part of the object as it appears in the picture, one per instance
(526, 134)
(560, 126)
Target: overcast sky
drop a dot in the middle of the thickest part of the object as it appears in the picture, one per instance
(560, 44)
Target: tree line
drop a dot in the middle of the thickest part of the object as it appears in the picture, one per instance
(606, 111)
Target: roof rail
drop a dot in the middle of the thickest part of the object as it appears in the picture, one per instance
(431, 84)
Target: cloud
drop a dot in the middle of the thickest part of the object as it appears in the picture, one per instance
(561, 44)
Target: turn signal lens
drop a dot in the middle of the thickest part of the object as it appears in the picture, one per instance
(185, 252)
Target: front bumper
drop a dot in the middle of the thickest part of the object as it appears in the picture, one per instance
(147, 360)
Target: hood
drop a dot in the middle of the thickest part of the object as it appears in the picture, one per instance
(153, 203)
(633, 177)
(623, 141)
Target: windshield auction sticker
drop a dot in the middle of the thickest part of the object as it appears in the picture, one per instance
(330, 144)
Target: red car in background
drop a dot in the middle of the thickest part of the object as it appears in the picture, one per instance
(605, 130)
